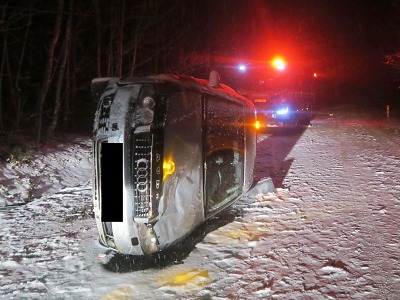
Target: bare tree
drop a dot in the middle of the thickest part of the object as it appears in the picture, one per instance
(61, 72)
(120, 45)
(99, 36)
(18, 100)
(3, 26)
(49, 69)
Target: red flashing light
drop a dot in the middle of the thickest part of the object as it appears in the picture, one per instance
(279, 64)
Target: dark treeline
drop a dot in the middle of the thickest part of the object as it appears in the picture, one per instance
(52, 49)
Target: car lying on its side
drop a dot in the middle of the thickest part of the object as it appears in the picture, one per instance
(169, 152)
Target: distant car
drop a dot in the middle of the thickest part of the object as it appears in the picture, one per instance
(285, 110)
(169, 152)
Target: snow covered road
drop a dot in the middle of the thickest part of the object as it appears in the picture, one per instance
(330, 230)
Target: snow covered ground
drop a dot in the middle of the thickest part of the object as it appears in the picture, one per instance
(329, 231)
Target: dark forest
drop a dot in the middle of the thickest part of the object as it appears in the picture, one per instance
(51, 50)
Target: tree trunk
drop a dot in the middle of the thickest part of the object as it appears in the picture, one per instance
(134, 56)
(49, 70)
(99, 30)
(18, 104)
(110, 63)
(12, 93)
(61, 72)
(1, 78)
(67, 96)
(121, 38)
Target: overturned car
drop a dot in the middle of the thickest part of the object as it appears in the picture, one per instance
(169, 152)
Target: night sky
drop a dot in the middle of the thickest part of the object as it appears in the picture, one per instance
(344, 42)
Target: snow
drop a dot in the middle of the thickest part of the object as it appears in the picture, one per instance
(329, 231)
(55, 166)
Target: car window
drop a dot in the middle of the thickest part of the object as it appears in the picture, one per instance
(224, 152)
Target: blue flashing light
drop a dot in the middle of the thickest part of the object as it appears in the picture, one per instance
(242, 68)
(283, 111)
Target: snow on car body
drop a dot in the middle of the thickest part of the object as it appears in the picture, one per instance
(177, 150)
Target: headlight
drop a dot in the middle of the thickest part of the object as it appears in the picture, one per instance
(144, 113)
(283, 111)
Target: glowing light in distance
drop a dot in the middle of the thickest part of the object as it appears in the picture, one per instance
(279, 64)
(242, 68)
(283, 111)
(257, 125)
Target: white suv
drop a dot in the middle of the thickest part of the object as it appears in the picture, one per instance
(169, 152)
